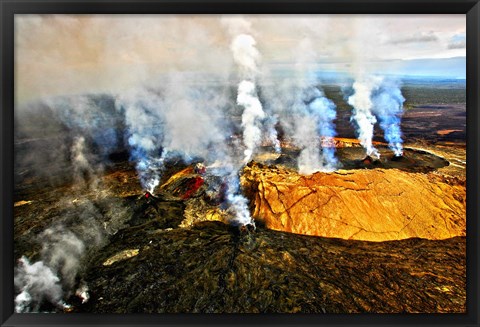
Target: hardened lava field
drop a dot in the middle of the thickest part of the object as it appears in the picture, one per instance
(161, 255)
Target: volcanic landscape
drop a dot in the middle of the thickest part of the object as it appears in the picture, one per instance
(101, 228)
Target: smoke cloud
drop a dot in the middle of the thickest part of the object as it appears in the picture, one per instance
(177, 118)
(62, 251)
(53, 278)
(81, 228)
(246, 56)
(362, 104)
(237, 203)
(305, 115)
(88, 87)
(324, 111)
(388, 107)
(315, 131)
(252, 114)
(145, 134)
(114, 53)
(37, 283)
(376, 98)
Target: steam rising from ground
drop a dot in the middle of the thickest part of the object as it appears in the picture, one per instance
(37, 283)
(315, 131)
(145, 134)
(81, 227)
(376, 97)
(168, 98)
(252, 133)
(179, 119)
(362, 104)
(388, 107)
(246, 56)
(304, 113)
(54, 277)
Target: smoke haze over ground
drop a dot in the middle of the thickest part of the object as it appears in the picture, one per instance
(189, 89)
(105, 53)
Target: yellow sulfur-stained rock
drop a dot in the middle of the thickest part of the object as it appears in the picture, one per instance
(123, 255)
(368, 204)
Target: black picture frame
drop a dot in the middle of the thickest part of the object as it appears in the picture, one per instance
(11, 7)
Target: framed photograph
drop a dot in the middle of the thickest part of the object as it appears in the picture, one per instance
(239, 163)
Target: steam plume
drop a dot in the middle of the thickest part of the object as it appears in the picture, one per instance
(270, 132)
(238, 204)
(175, 118)
(305, 114)
(251, 116)
(361, 101)
(388, 107)
(38, 283)
(145, 134)
(376, 97)
(324, 112)
(62, 251)
(178, 118)
(194, 118)
(54, 277)
(317, 124)
(246, 55)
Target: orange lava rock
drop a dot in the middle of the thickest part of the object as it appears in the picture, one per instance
(367, 204)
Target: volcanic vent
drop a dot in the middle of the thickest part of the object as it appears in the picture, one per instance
(187, 173)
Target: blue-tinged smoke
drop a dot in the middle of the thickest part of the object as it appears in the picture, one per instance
(314, 131)
(177, 119)
(270, 132)
(324, 112)
(306, 116)
(92, 116)
(361, 101)
(237, 202)
(144, 123)
(376, 98)
(388, 107)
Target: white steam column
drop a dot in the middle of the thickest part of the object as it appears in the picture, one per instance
(362, 104)
(377, 98)
(314, 114)
(145, 136)
(246, 56)
(388, 107)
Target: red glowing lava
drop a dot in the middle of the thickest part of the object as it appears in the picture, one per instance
(196, 183)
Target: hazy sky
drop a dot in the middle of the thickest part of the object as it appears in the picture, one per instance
(64, 54)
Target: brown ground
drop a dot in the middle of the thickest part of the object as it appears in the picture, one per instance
(150, 264)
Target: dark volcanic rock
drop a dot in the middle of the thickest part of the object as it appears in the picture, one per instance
(214, 268)
(147, 264)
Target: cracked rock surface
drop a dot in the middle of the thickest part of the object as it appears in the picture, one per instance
(154, 264)
(366, 204)
(212, 267)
